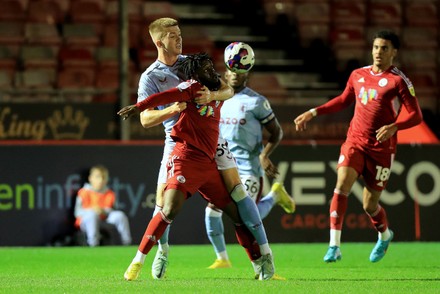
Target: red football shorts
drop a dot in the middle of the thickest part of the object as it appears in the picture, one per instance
(190, 170)
(375, 167)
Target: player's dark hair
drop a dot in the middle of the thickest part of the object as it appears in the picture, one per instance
(390, 36)
(192, 63)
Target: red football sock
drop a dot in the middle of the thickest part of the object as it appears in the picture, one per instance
(379, 219)
(247, 240)
(338, 207)
(156, 228)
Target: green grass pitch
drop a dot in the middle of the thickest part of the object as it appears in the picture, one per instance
(407, 268)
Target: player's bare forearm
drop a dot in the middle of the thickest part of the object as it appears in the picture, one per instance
(224, 93)
(205, 95)
(269, 168)
(152, 117)
(276, 134)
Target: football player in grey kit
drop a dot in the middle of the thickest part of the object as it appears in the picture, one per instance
(161, 75)
(243, 118)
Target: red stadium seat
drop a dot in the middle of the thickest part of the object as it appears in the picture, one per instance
(38, 57)
(47, 11)
(6, 79)
(36, 78)
(348, 12)
(152, 10)
(267, 84)
(421, 13)
(107, 78)
(110, 35)
(87, 11)
(11, 33)
(76, 78)
(8, 62)
(146, 56)
(195, 40)
(80, 35)
(312, 12)
(313, 20)
(134, 8)
(107, 57)
(42, 34)
(348, 35)
(310, 31)
(13, 10)
(90, 12)
(418, 58)
(384, 12)
(371, 30)
(273, 9)
(76, 57)
(420, 37)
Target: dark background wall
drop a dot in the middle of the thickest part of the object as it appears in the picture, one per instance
(38, 185)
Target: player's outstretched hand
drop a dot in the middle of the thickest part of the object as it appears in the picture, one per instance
(128, 111)
(301, 120)
(386, 132)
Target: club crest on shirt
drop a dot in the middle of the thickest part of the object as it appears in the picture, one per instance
(181, 179)
(383, 82)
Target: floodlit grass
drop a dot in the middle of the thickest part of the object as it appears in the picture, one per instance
(407, 268)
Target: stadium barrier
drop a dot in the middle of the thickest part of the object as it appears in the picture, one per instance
(38, 183)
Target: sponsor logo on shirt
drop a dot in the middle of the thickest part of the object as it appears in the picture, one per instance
(367, 95)
(205, 110)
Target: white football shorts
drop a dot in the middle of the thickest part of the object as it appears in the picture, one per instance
(223, 156)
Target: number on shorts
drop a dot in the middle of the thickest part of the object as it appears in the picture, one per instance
(382, 173)
(223, 149)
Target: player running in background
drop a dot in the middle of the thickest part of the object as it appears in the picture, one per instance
(192, 168)
(243, 118)
(379, 91)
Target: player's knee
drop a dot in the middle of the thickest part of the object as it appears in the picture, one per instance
(238, 193)
(210, 212)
